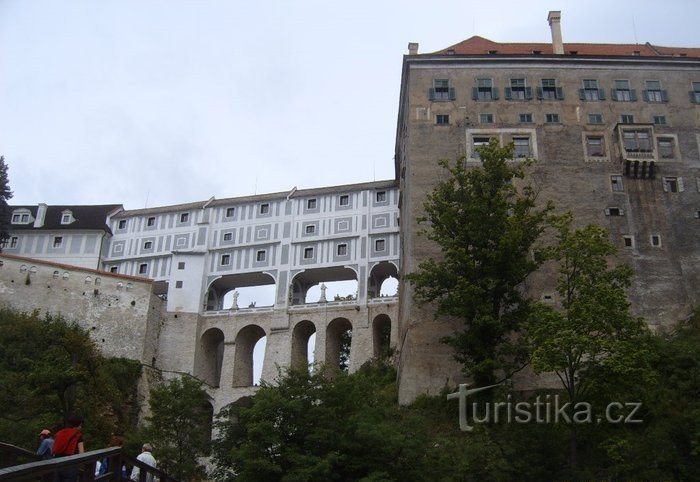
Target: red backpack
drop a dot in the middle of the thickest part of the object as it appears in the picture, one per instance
(66, 442)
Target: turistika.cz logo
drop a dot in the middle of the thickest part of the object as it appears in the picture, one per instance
(547, 409)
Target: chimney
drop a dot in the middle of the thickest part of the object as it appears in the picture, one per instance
(554, 19)
(413, 48)
(40, 215)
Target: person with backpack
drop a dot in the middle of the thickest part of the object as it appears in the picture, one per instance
(69, 441)
(45, 447)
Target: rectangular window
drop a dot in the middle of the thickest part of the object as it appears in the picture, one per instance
(381, 196)
(695, 93)
(308, 253)
(518, 90)
(230, 212)
(113, 269)
(614, 212)
(616, 183)
(143, 268)
(342, 250)
(379, 245)
(65, 219)
(225, 259)
(626, 119)
(673, 184)
(310, 229)
(151, 221)
(184, 217)
(660, 120)
(178, 284)
(311, 204)
(666, 147)
(264, 208)
(637, 140)
(13, 241)
(261, 255)
(442, 119)
(121, 224)
(522, 147)
(148, 245)
(228, 236)
(628, 241)
(16, 218)
(526, 118)
(548, 90)
(595, 118)
(181, 265)
(477, 142)
(590, 91)
(622, 91)
(486, 118)
(594, 146)
(485, 90)
(654, 93)
(441, 90)
(655, 240)
(344, 200)
(57, 241)
(551, 118)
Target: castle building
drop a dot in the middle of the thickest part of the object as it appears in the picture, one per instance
(614, 129)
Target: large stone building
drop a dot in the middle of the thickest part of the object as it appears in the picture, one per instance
(615, 131)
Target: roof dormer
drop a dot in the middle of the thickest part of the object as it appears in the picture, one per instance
(22, 216)
(67, 217)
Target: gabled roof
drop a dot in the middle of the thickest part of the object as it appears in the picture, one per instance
(477, 45)
(92, 217)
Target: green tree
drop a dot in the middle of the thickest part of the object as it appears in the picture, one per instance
(179, 426)
(5, 195)
(486, 227)
(592, 339)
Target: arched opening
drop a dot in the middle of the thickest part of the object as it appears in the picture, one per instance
(301, 341)
(259, 359)
(208, 422)
(381, 336)
(383, 280)
(338, 344)
(238, 291)
(243, 367)
(339, 284)
(211, 356)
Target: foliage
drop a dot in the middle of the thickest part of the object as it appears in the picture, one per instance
(179, 426)
(486, 228)
(49, 368)
(5, 195)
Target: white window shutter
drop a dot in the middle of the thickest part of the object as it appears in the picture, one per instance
(680, 184)
(665, 185)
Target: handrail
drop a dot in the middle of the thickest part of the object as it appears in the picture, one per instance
(9, 454)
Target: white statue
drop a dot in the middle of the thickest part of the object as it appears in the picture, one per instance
(322, 299)
(234, 304)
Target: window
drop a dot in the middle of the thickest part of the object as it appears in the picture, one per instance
(629, 241)
(526, 118)
(184, 217)
(151, 221)
(379, 245)
(549, 90)
(666, 147)
(442, 119)
(311, 204)
(113, 269)
(551, 118)
(626, 119)
(655, 240)
(66, 218)
(310, 229)
(342, 250)
(230, 212)
(614, 212)
(264, 208)
(484, 90)
(57, 241)
(673, 184)
(477, 142)
(148, 245)
(308, 253)
(261, 255)
(595, 118)
(518, 90)
(143, 268)
(522, 147)
(225, 259)
(381, 196)
(653, 92)
(590, 91)
(181, 265)
(486, 118)
(441, 90)
(178, 284)
(660, 120)
(616, 183)
(594, 146)
(622, 92)
(10, 242)
(344, 200)
(121, 224)
(695, 93)
(20, 218)
(228, 236)
(636, 140)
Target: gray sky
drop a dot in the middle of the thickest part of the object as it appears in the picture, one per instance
(168, 101)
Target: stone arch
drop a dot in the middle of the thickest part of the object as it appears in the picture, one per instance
(306, 279)
(338, 344)
(246, 339)
(381, 335)
(379, 273)
(211, 356)
(300, 343)
(208, 416)
(220, 291)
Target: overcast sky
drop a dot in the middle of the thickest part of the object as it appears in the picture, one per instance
(154, 102)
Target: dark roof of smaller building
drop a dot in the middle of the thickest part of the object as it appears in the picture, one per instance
(92, 217)
(477, 45)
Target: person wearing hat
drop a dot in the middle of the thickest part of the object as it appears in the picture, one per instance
(44, 450)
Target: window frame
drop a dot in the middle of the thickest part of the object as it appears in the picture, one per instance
(308, 252)
(380, 242)
(261, 256)
(552, 118)
(230, 212)
(57, 242)
(143, 268)
(487, 118)
(264, 208)
(344, 247)
(441, 91)
(442, 119)
(184, 218)
(344, 197)
(148, 245)
(225, 259)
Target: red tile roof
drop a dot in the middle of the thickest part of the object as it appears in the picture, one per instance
(479, 45)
